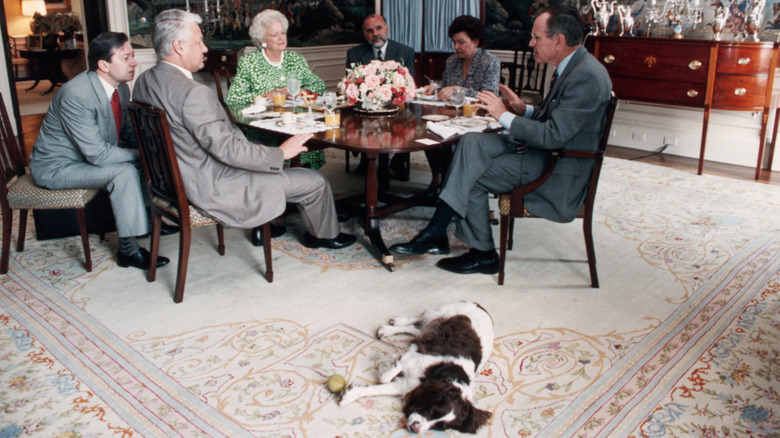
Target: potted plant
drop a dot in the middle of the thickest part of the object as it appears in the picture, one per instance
(50, 26)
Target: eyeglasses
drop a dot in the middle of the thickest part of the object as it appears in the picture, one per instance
(535, 38)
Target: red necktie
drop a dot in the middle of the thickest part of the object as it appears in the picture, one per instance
(117, 107)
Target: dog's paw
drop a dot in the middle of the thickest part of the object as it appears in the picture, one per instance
(381, 332)
(345, 397)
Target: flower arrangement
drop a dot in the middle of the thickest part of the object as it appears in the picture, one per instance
(54, 23)
(377, 84)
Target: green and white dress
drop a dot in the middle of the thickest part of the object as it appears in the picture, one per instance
(257, 75)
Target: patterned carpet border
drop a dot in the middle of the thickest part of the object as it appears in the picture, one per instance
(628, 392)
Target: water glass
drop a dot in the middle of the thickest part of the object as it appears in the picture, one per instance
(457, 98)
(329, 100)
(294, 87)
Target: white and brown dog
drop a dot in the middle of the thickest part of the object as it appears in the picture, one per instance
(436, 376)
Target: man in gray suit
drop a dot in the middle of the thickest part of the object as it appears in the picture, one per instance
(378, 46)
(570, 117)
(240, 183)
(86, 141)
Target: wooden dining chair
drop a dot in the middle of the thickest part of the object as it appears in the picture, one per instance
(169, 199)
(525, 76)
(221, 64)
(511, 205)
(19, 192)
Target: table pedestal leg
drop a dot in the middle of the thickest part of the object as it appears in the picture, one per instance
(371, 221)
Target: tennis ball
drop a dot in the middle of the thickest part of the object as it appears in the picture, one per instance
(336, 383)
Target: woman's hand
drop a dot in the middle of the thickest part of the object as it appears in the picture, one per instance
(445, 93)
(294, 145)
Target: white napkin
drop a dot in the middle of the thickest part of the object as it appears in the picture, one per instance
(296, 128)
(254, 109)
(446, 129)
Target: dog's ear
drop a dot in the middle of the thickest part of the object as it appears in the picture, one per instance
(471, 417)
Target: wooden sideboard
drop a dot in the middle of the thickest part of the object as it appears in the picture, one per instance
(720, 75)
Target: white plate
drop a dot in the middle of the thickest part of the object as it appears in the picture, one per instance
(467, 122)
(435, 117)
(272, 114)
(429, 97)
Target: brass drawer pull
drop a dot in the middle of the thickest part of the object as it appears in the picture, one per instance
(740, 91)
(692, 93)
(743, 61)
(694, 65)
(223, 58)
(609, 59)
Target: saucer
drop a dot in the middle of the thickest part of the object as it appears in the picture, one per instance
(435, 117)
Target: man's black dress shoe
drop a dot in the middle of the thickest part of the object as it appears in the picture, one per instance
(167, 230)
(470, 263)
(340, 241)
(423, 243)
(256, 235)
(139, 260)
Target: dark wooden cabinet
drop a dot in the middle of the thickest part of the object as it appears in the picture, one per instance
(737, 76)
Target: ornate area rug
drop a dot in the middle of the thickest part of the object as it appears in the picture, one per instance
(680, 340)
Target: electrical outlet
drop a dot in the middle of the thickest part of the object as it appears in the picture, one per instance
(637, 135)
(671, 141)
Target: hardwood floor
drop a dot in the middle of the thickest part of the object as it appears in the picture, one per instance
(31, 125)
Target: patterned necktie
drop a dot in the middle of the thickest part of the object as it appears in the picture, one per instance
(554, 78)
(379, 56)
(117, 108)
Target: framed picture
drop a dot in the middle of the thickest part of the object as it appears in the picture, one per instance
(34, 42)
(57, 5)
(226, 24)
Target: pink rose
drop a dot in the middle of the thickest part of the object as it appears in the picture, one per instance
(373, 81)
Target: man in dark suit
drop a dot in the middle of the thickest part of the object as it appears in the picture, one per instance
(377, 46)
(570, 117)
(86, 141)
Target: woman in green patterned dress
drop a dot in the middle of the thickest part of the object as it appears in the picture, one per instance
(267, 70)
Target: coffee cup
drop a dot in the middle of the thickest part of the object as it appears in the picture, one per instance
(288, 118)
(259, 100)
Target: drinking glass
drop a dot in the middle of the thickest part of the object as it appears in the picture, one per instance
(457, 98)
(329, 100)
(435, 85)
(294, 87)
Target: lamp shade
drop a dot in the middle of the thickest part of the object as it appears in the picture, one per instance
(30, 7)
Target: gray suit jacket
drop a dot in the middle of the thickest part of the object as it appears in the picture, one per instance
(364, 53)
(225, 175)
(79, 127)
(570, 117)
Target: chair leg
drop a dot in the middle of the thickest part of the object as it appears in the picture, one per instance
(346, 161)
(22, 230)
(220, 239)
(154, 248)
(185, 237)
(587, 229)
(505, 221)
(7, 225)
(81, 218)
(510, 241)
(269, 270)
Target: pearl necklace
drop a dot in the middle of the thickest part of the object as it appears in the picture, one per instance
(274, 64)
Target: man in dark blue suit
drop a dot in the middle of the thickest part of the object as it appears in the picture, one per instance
(377, 46)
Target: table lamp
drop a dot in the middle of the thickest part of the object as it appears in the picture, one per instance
(30, 7)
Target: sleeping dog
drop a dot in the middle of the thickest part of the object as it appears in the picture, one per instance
(436, 376)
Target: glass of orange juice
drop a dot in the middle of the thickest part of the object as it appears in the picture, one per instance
(279, 98)
(333, 118)
(469, 109)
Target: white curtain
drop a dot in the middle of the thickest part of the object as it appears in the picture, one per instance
(404, 18)
(438, 16)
